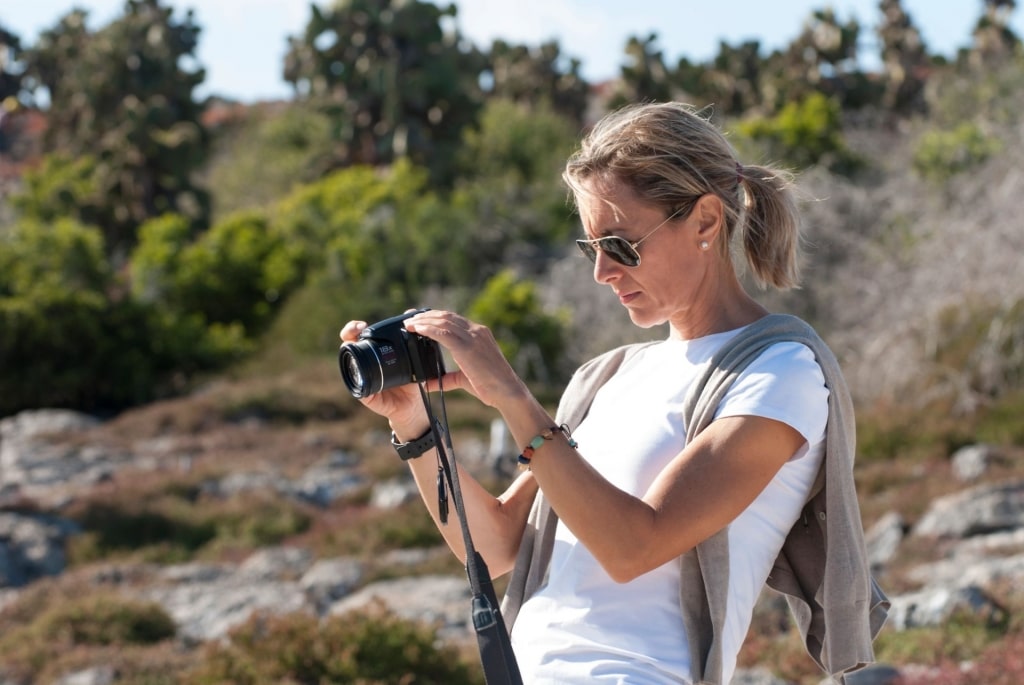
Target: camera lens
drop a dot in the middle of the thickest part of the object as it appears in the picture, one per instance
(361, 368)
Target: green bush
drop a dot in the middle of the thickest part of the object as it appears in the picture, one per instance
(235, 273)
(370, 647)
(805, 133)
(70, 338)
(941, 155)
(530, 338)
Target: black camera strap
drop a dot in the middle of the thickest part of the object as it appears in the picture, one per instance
(496, 655)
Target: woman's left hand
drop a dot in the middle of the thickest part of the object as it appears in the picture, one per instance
(483, 370)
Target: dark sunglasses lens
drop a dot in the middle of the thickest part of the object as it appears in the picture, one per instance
(621, 251)
(615, 247)
(588, 250)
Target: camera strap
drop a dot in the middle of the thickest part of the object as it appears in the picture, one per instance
(496, 655)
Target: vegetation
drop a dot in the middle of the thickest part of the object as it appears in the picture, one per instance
(153, 244)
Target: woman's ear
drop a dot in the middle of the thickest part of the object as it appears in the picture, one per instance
(710, 215)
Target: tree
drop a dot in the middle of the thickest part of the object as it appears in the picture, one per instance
(994, 40)
(394, 83)
(10, 70)
(733, 81)
(904, 58)
(644, 75)
(822, 59)
(124, 96)
(524, 75)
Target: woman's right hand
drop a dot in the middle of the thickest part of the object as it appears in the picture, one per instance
(401, 405)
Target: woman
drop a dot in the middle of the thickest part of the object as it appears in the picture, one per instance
(642, 532)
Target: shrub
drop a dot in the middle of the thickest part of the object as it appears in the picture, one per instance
(64, 629)
(370, 647)
(172, 523)
(941, 155)
(530, 338)
(805, 133)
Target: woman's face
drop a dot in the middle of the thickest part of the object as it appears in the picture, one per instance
(673, 272)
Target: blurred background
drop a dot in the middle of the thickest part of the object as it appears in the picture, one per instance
(194, 199)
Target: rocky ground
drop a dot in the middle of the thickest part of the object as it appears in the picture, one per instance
(959, 553)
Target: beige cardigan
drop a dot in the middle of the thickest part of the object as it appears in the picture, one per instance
(822, 568)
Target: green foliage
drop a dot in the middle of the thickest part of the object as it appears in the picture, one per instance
(232, 274)
(374, 242)
(509, 185)
(297, 139)
(530, 338)
(61, 187)
(528, 76)
(644, 77)
(941, 155)
(69, 338)
(393, 81)
(804, 133)
(372, 647)
(123, 96)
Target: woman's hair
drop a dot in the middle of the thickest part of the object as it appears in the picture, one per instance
(671, 156)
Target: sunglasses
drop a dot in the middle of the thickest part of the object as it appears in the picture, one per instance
(617, 247)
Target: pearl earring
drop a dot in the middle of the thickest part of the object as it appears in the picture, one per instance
(704, 245)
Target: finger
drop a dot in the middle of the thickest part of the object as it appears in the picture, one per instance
(351, 330)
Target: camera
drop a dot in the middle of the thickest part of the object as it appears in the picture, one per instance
(386, 355)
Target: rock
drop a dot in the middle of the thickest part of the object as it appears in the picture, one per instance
(971, 462)
(979, 510)
(329, 580)
(99, 675)
(45, 469)
(933, 606)
(328, 480)
(208, 611)
(443, 601)
(876, 674)
(277, 563)
(31, 547)
(884, 538)
(391, 494)
(756, 676)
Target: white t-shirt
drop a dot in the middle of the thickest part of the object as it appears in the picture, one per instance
(583, 627)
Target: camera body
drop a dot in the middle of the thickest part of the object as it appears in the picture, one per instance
(386, 355)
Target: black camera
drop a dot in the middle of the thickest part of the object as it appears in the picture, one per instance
(387, 355)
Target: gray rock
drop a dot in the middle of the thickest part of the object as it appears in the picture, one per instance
(971, 462)
(443, 601)
(883, 539)
(31, 547)
(276, 563)
(756, 676)
(329, 580)
(933, 606)
(977, 511)
(98, 675)
(391, 494)
(208, 611)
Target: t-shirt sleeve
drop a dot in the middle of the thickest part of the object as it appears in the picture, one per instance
(784, 383)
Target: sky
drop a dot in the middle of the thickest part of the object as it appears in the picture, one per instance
(243, 42)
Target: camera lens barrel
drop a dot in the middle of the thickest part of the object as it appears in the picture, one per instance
(386, 355)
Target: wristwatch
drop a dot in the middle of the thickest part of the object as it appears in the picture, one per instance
(415, 448)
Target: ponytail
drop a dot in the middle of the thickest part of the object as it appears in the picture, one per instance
(769, 226)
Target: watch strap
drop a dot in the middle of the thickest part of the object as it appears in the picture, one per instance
(414, 448)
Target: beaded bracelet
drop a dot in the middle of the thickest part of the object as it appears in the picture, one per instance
(538, 440)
